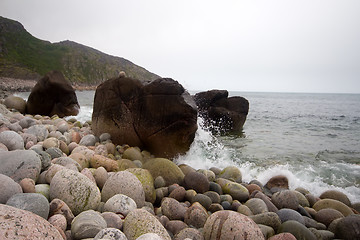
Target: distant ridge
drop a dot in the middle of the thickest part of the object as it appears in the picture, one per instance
(24, 56)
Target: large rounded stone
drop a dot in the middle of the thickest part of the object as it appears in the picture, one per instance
(196, 215)
(8, 188)
(196, 181)
(173, 209)
(327, 215)
(287, 214)
(120, 203)
(76, 190)
(297, 229)
(226, 225)
(87, 224)
(124, 183)
(165, 168)
(348, 228)
(256, 205)
(279, 181)
(12, 140)
(231, 173)
(147, 182)
(32, 202)
(88, 140)
(270, 205)
(270, 219)
(20, 164)
(19, 224)
(235, 190)
(285, 199)
(110, 234)
(14, 102)
(139, 222)
(132, 154)
(334, 204)
(336, 195)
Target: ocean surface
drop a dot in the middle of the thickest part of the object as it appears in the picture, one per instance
(313, 139)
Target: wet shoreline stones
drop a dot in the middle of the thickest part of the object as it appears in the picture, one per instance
(126, 193)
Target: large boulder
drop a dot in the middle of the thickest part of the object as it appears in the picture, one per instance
(221, 113)
(146, 115)
(53, 94)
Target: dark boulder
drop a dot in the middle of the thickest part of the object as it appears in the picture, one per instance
(159, 116)
(53, 94)
(221, 113)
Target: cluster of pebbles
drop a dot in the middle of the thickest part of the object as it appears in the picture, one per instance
(59, 181)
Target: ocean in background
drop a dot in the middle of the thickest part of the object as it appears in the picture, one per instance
(313, 139)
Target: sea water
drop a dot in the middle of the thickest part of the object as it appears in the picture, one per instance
(312, 139)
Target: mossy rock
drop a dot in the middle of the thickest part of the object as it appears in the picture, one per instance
(147, 181)
(165, 168)
(231, 173)
(334, 204)
(235, 190)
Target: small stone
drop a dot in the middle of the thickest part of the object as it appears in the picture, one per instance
(287, 214)
(178, 194)
(215, 187)
(214, 196)
(32, 202)
(147, 181)
(51, 142)
(165, 168)
(327, 215)
(54, 152)
(86, 172)
(113, 220)
(58, 220)
(297, 229)
(120, 203)
(132, 154)
(175, 226)
(285, 199)
(14, 102)
(110, 234)
(270, 219)
(64, 161)
(100, 175)
(189, 233)
(196, 215)
(58, 206)
(172, 209)
(196, 181)
(40, 131)
(279, 181)
(283, 236)
(266, 231)
(104, 137)
(109, 164)
(87, 224)
(88, 140)
(27, 122)
(231, 173)
(149, 236)
(81, 159)
(256, 205)
(204, 200)
(159, 182)
(27, 185)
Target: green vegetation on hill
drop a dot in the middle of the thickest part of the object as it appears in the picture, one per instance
(26, 57)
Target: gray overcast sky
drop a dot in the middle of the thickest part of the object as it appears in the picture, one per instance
(254, 45)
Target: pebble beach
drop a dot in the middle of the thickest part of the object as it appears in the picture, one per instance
(59, 181)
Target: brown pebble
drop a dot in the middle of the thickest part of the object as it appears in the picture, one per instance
(58, 220)
(27, 185)
(113, 220)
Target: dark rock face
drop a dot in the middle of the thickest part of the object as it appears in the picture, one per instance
(159, 116)
(221, 113)
(53, 94)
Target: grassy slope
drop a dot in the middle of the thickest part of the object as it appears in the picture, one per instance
(24, 56)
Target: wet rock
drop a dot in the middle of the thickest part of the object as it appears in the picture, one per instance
(285, 199)
(8, 188)
(113, 220)
(147, 182)
(196, 181)
(178, 194)
(87, 224)
(302, 199)
(120, 203)
(336, 195)
(20, 164)
(270, 205)
(243, 209)
(213, 186)
(270, 219)
(175, 226)
(266, 231)
(189, 233)
(279, 181)
(76, 190)
(16, 222)
(327, 215)
(214, 196)
(12, 140)
(236, 190)
(287, 214)
(110, 234)
(32, 202)
(204, 200)
(334, 204)
(256, 205)
(231, 173)
(172, 209)
(210, 175)
(297, 229)
(230, 225)
(53, 94)
(124, 183)
(348, 228)
(196, 215)
(139, 222)
(165, 168)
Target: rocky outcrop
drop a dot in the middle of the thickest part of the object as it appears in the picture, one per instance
(222, 114)
(159, 116)
(53, 94)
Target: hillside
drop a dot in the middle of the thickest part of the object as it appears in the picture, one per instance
(23, 56)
